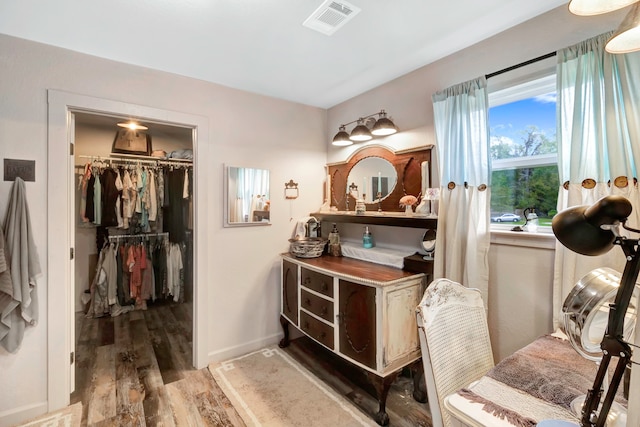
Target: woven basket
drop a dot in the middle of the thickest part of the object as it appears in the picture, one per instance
(307, 247)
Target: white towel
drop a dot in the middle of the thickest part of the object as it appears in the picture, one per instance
(22, 256)
(301, 227)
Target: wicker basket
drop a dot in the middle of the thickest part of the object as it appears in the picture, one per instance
(307, 247)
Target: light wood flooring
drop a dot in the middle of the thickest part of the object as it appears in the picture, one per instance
(135, 370)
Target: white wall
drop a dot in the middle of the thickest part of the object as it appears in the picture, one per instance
(245, 130)
(520, 276)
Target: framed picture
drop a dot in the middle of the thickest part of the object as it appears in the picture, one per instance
(129, 141)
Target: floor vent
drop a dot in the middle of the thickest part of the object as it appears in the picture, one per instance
(330, 16)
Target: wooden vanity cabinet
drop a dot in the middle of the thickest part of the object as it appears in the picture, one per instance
(363, 312)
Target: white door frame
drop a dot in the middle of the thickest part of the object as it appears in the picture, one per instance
(61, 228)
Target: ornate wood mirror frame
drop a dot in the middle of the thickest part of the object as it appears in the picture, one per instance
(407, 164)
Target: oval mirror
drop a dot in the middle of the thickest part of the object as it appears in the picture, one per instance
(370, 176)
(247, 200)
(428, 244)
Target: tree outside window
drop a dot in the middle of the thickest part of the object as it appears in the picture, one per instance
(524, 156)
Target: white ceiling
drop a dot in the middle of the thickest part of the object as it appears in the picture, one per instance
(261, 46)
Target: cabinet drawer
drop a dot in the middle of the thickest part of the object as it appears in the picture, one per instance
(318, 282)
(317, 305)
(317, 330)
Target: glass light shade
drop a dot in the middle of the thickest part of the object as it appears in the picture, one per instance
(597, 7)
(132, 126)
(627, 36)
(360, 132)
(342, 138)
(384, 126)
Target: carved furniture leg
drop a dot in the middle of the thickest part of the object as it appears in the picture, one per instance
(382, 386)
(284, 342)
(419, 385)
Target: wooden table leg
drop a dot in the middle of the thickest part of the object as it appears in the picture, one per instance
(284, 342)
(419, 385)
(382, 386)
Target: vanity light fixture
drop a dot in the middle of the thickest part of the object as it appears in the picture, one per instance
(627, 37)
(132, 125)
(365, 129)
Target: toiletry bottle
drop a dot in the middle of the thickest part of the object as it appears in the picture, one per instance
(367, 238)
(334, 242)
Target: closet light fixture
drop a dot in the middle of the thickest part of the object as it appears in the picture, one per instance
(132, 125)
(366, 128)
(627, 37)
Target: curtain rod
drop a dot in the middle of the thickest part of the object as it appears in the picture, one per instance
(522, 64)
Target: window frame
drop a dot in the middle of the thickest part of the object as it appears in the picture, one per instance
(528, 88)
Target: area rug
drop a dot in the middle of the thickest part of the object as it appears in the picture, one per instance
(71, 416)
(269, 388)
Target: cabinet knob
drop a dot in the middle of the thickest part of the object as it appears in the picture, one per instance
(307, 301)
(323, 335)
(324, 286)
(324, 311)
(307, 280)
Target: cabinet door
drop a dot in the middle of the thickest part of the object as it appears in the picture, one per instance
(290, 291)
(357, 329)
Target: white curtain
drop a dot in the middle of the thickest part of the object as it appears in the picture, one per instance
(598, 145)
(598, 154)
(462, 135)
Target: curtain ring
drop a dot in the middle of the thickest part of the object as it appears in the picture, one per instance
(588, 183)
(565, 185)
(451, 185)
(482, 187)
(621, 182)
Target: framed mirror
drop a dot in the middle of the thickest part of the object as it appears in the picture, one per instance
(247, 200)
(369, 166)
(370, 176)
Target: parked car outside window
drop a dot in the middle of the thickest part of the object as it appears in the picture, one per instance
(507, 217)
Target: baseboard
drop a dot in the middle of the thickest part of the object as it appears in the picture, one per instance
(239, 350)
(19, 415)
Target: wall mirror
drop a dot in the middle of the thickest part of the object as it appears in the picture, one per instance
(402, 170)
(370, 176)
(246, 197)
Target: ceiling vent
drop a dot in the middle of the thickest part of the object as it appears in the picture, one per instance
(330, 16)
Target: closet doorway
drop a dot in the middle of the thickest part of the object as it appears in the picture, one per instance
(89, 125)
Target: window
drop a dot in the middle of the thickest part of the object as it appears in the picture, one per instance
(522, 122)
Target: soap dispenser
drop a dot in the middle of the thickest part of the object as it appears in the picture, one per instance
(367, 238)
(334, 242)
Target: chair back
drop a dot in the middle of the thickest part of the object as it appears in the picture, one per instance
(454, 341)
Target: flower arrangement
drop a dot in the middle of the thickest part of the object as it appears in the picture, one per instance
(407, 203)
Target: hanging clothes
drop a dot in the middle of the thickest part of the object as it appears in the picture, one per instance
(84, 181)
(174, 205)
(174, 271)
(110, 196)
(97, 200)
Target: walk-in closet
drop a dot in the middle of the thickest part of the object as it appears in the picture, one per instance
(133, 255)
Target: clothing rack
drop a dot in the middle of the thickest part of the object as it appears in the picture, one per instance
(145, 236)
(142, 161)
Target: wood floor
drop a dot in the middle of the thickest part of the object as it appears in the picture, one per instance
(135, 370)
